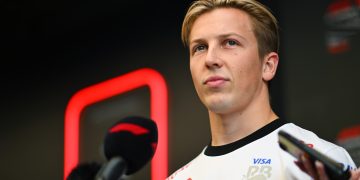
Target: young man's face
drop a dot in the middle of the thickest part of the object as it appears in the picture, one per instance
(224, 60)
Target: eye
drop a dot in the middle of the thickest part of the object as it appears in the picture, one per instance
(199, 48)
(230, 43)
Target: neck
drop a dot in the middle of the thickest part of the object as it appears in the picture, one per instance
(230, 127)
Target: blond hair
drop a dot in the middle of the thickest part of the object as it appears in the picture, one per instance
(264, 23)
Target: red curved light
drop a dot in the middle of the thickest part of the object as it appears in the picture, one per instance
(132, 128)
(112, 87)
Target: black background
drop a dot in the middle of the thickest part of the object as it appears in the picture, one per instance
(52, 49)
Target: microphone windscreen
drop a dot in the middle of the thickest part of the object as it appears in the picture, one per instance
(84, 171)
(134, 139)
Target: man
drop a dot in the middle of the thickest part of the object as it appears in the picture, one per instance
(233, 47)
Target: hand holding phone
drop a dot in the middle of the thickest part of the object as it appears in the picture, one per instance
(295, 147)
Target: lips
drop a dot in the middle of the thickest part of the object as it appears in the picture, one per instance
(215, 81)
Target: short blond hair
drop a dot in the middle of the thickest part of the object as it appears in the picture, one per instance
(263, 21)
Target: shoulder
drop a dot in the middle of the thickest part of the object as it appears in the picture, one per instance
(186, 170)
(312, 140)
(309, 137)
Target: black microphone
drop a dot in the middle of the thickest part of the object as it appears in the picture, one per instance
(128, 146)
(84, 171)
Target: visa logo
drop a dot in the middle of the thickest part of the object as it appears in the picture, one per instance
(261, 161)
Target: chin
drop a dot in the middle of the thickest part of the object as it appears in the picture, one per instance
(218, 106)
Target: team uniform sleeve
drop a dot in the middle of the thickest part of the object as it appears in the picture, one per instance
(341, 155)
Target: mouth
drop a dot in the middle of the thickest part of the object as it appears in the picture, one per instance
(215, 81)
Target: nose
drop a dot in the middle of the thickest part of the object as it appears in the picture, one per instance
(212, 58)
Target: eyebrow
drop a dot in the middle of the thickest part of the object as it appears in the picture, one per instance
(196, 41)
(231, 34)
(221, 36)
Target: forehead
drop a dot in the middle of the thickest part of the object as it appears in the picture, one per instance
(221, 21)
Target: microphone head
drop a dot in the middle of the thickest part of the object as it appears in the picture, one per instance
(134, 139)
(84, 171)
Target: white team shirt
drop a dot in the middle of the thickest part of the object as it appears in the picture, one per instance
(257, 157)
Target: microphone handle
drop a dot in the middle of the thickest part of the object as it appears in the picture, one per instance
(112, 170)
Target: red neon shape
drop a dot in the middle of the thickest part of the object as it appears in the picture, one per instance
(348, 133)
(338, 6)
(109, 88)
(134, 129)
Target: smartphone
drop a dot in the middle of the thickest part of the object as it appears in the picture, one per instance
(295, 147)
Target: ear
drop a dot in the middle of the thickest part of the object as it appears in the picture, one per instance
(270, 64)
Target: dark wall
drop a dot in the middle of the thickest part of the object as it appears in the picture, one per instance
(55, 48)
(321, 89)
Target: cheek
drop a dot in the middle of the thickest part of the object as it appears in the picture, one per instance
(192, 71)
(247, 72)
(194, 74)
(250, 66)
